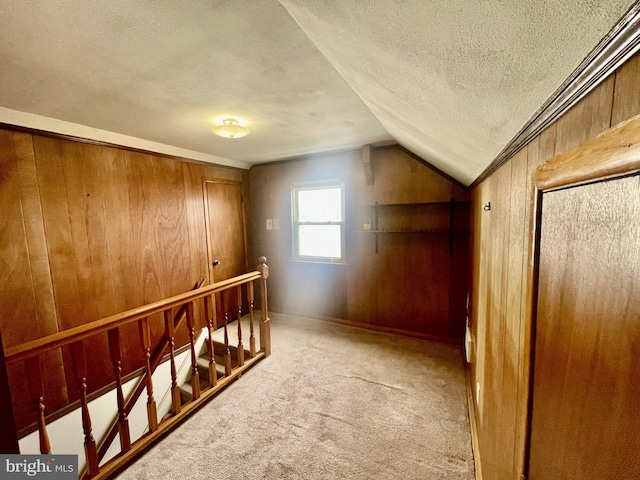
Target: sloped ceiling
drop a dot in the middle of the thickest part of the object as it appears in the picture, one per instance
(451, 81)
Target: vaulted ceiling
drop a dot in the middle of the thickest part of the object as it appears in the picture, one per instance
(451, 81)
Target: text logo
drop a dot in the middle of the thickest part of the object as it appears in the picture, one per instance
(50, 467)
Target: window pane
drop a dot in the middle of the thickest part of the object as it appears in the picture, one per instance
(320, 205)
(319, 241)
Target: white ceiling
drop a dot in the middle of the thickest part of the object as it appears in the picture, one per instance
(451, 81)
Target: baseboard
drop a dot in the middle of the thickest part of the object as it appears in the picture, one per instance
(472, 423)
(458, 342)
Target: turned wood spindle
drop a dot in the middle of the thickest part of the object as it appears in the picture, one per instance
(116, 359)
(169, 331)
(90, 449)
(240, 346)
(265, 322)
(195, 378)
(209, 313)
(227, 354)
(252, 339)
(145, 340)
(36, 389)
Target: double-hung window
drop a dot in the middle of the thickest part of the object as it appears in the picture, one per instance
(318, 222)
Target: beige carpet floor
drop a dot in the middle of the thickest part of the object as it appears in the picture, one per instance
(331, 402)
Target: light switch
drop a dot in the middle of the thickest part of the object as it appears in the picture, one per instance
(269, 224)
(276, 224)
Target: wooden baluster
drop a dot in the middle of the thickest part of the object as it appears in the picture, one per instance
(210, 313)
(145, 340)
(240, 346)
(90, 450)
(227, 354)
(116, 359)
(252, 339)
(36, 388)
(214, 311)
(195, 377)
(265, 322)
(169, 331)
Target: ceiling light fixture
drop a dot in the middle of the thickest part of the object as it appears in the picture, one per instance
(231, 129)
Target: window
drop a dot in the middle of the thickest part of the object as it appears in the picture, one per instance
(318, 222)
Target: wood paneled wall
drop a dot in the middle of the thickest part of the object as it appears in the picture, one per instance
(411, 284)
(88, 231)
(499, 252)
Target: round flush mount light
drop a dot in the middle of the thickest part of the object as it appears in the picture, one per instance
(231, 129)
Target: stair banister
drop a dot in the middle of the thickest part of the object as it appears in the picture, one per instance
(30, 353)
(117, 425)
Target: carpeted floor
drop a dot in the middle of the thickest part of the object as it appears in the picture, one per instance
(331, 402)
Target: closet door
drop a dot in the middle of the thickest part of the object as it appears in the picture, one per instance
(585, 418)
(226, 237)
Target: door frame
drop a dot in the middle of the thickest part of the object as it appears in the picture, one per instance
(612, 154)
(205, 199)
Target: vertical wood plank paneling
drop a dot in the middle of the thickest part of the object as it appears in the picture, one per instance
(94, 166)
(513, 313)
(70, 311)
(156, 242)
(626, 94)
(142, 210)
(76, 200)
(17, 297)
(35, 235)
(118, 231)
(480, 314)
(393, 167)
(590, 117)
(172, 230)
(192, 178)
(119, 239)
(494, 386)
(88, 174)
(26, 298)
(49, 162)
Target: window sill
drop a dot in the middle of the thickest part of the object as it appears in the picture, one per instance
(320, 262)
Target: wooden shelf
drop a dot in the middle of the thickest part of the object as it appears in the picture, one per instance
(418, 204)
(415, 218)
(441, 232)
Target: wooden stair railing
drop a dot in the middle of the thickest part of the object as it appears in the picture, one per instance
(29, 353)
(120, 423)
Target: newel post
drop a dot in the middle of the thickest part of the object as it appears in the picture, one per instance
(265, 322)
(8, 433)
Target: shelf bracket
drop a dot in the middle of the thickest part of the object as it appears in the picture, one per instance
(452, 224)
(367, 164)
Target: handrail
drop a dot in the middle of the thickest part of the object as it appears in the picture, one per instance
(156, 358)
(36, 347)
(30, 354)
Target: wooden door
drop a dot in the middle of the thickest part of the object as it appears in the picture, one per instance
(226, 239)
(585, 418)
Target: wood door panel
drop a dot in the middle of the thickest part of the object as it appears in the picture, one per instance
(585, 418)
(225, 237)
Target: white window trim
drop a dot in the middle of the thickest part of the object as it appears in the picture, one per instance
(296, 187)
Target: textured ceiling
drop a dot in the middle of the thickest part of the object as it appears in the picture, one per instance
(451, 81)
